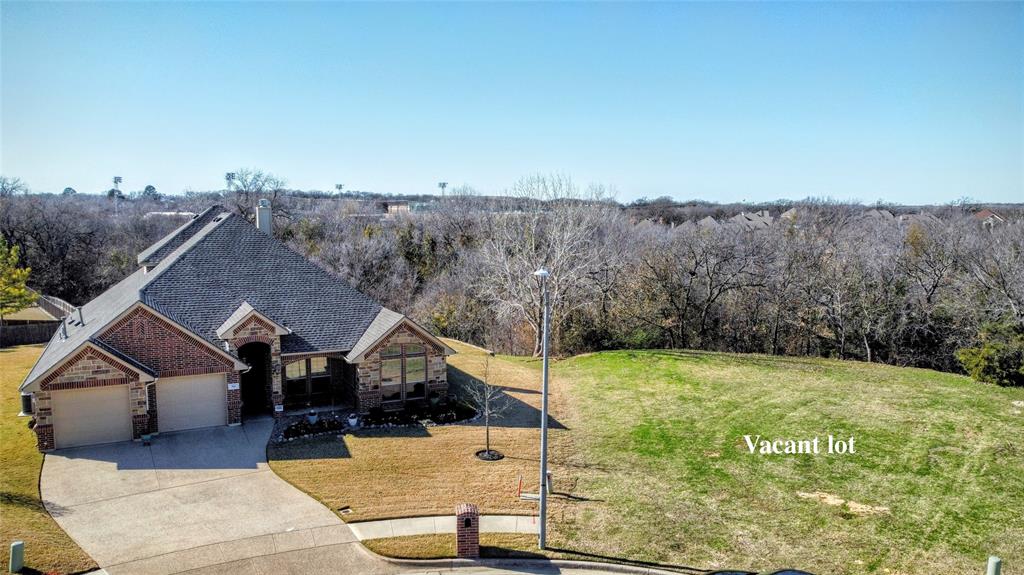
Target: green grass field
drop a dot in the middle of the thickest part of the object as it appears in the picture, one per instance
(22, 516)
(657, 468)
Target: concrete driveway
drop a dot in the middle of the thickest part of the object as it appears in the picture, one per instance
(191, 500)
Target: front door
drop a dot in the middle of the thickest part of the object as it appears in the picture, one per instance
(255, 383)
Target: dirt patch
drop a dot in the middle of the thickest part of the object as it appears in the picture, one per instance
(835, 500)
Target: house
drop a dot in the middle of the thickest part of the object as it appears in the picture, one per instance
(752, 220)
(988, 218)
(219, 323)
(395, 208)
(879, 215)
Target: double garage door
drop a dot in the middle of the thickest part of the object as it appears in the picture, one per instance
(103, 414)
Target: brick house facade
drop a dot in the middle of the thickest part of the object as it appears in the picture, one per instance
(243, 327)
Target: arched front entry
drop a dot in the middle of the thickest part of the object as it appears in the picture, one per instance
(257, 381)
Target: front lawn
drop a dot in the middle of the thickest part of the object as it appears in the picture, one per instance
(22, 516)
(401, 472)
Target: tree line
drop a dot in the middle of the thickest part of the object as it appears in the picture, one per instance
(828, 280)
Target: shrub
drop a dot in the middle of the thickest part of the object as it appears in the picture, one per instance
(999, 358)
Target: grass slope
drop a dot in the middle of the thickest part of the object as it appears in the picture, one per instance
(658, 470)
(22, 516)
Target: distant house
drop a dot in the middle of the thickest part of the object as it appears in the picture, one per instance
(222, 321)
(395, 208)
(880, 215)
(709, 223)
(988, 218)
(920, 218)
(34, 324)
(753, 220)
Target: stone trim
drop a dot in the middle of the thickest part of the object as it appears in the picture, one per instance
(402, 326)
(98, 359)
(239, 342)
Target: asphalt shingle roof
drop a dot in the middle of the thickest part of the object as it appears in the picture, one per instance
(207, 269)
(172, 241)
(231, 262)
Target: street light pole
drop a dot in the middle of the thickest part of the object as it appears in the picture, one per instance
(542, 540)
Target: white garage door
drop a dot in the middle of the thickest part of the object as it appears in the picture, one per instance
(191, 402)
(91, 416)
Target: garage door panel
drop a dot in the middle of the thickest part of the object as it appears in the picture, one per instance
(191, 402)
(91, 416)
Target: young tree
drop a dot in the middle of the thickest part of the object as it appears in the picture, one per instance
(14, 294)
(491, 401)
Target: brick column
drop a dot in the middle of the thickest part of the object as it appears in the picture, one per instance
(234, 399)
(276, 389)
(44, 437)
(467, 531)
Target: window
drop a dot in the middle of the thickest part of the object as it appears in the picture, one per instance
(318, 365)
(403, 372)
(390, 371)
(415, 377)
(307, 381)
(295, 370)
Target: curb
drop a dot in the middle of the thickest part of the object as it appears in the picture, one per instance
(520, 563)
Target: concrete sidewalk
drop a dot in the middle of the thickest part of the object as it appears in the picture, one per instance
(440, 524)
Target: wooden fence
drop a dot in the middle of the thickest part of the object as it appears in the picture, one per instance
(40, 332)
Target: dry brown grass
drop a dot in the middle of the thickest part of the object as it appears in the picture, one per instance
(22, 516)
(396, 473)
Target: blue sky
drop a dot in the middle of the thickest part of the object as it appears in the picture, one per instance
(910, 102)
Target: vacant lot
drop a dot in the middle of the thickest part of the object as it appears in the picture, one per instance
(657, 460)
(22, 516)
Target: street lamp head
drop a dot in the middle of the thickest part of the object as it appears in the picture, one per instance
(541, 273)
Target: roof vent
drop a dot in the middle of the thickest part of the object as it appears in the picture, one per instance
(81, 319)
(63, 330)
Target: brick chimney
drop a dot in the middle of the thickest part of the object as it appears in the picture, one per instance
(264, 217)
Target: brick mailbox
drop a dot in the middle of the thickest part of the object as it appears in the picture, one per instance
(467, 531)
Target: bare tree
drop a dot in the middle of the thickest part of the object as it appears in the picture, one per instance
(10, 186)
(561, 233)
(491, 402)
(249, 185)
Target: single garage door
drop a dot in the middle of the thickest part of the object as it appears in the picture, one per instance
(191, 402)
(91, 416)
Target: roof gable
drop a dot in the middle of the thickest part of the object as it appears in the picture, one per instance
(383, 326)
(243, 314)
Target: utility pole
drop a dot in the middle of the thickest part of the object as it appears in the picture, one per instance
(542, 540)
